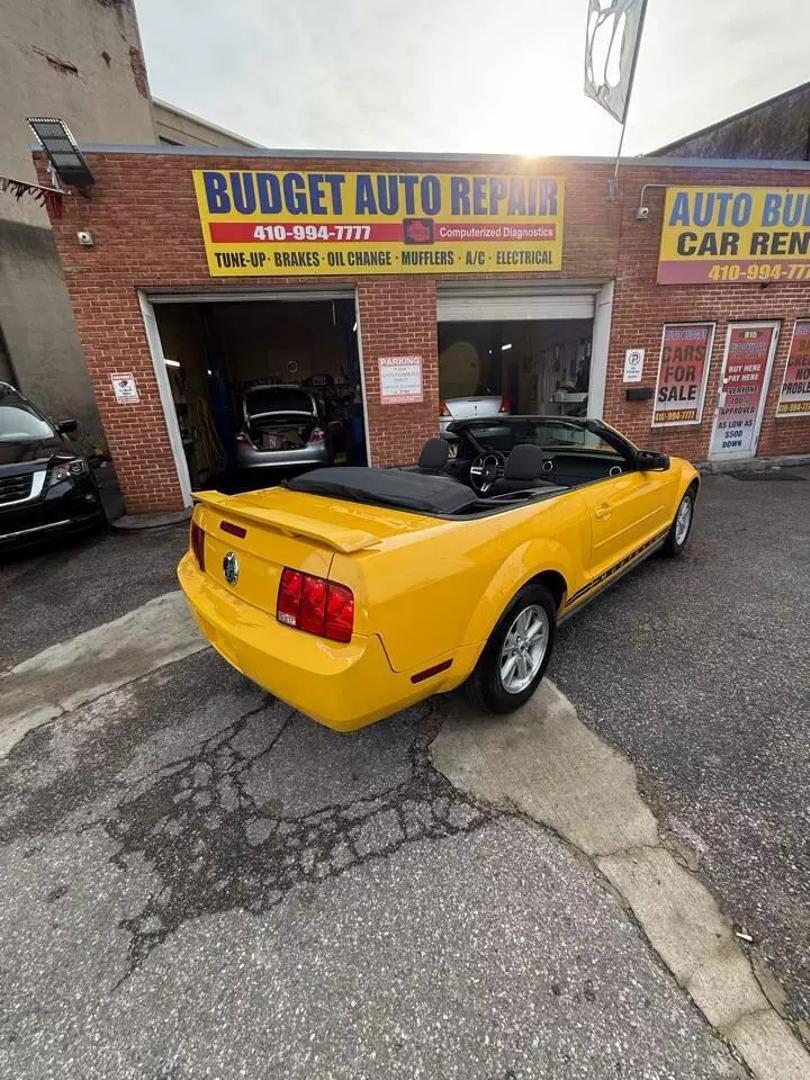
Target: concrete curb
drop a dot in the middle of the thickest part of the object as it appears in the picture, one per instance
(544, 762)
(787, 461)
(136, 522)
(74, 673)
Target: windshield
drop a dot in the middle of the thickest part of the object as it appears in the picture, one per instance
(18, 420)
(270, 399)
(504, 434)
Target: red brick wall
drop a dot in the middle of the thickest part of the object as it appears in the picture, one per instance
(143, 218)
(398, 318)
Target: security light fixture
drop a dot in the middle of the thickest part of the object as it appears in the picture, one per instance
(63, 152)
(642, 210)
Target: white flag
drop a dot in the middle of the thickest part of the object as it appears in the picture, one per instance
(611, 44)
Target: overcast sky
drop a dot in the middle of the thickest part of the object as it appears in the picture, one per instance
(456, 75)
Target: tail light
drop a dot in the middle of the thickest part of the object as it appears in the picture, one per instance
(443, 410)
(243, 440)
(317, 435)
(315, 605)
(506, 405)
(198, 544)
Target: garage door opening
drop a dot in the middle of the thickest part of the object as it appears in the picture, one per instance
(263, 389)
(540, 366)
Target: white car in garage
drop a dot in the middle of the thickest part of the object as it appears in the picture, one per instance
(472, 407)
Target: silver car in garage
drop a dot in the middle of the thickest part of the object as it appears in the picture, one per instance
(282, 429)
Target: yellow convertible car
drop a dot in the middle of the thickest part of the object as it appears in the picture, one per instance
(351, 593)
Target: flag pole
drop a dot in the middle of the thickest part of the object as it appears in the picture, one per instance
(613, 184)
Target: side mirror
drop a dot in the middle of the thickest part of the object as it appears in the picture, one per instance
(650, 461)
(67, 427)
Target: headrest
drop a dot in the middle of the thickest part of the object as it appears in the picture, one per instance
(524, 463)
(434, 454)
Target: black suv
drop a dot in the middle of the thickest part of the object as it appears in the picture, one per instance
(46, 485)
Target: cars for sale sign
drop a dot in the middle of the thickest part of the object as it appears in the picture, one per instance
(713, 235)
(340, 222)
(794, 397)
(683, 370)
(749, 348)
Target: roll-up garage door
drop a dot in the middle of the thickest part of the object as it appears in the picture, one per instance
(513, 305)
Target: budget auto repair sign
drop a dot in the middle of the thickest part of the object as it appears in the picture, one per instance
(712, 235)
(317, 223)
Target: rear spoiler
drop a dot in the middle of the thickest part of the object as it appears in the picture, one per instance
(333, 536)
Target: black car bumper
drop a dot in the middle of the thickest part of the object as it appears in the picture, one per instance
(72, 506)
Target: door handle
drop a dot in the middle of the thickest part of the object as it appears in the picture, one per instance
(602, 512)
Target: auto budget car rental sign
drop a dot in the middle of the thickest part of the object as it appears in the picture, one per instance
(715, 235)
(317, 223)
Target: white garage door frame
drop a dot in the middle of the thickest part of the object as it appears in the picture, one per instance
(148, 300)
(557, 300)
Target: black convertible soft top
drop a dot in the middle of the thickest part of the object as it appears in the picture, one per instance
(388, 487)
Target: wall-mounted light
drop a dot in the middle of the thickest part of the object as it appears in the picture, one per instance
(642, 210)
(63, 152)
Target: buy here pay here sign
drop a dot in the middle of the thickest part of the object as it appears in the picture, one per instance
(318, 223)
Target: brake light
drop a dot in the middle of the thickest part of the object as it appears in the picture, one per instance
(198, 544)
(289, 597)
(339, 612)
(443, 410)
(243, 440)
(317, 435)
(315, 605)
(506, 405)
(312, 613)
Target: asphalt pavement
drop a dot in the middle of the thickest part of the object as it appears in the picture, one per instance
(69, 587)
(698, 669)
(199, 882)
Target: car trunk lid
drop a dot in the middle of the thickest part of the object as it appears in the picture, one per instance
(268, 530)
(468, 408)
(281, 431)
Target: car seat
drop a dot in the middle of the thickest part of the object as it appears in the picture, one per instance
(523, 471)
(433, 459)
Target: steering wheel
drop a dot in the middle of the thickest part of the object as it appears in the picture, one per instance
(485, 470)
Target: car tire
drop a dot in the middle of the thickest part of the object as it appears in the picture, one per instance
(486, 688)
(681, 527)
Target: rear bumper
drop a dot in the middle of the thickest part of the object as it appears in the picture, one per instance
(307, 457)
(344, 687)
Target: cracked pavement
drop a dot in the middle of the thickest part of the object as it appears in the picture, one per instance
(199, 882)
